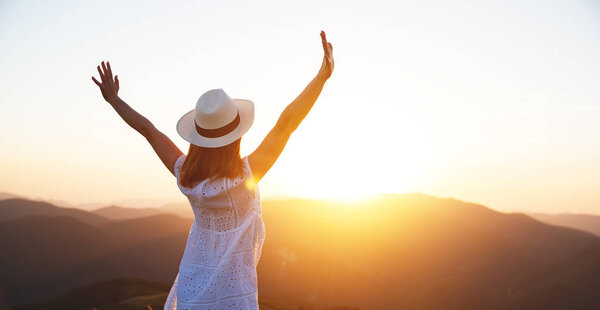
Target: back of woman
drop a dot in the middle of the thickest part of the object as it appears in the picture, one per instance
(218, 268)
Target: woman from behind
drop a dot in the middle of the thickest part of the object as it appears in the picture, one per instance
(218, 267)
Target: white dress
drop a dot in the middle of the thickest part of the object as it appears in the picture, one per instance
(218, 268)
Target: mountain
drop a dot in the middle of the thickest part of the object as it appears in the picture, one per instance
(17, 207)
(145, 203)
(402, 251)
(128, 294)
(585, 222)
(44, 256)
(121, 293)
(421, 252)
(5, 195)
(182, 209)
(122, 213)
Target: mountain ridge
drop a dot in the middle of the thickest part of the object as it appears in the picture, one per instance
(585, 222)
(18, 207)
(415, 251)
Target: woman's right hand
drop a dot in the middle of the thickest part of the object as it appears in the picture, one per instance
(109, 86)
(327, 65)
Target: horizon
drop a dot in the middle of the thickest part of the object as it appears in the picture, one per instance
(143, 203)
(496, 103)
(441, 250)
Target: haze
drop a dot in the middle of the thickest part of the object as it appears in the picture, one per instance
(495, 103)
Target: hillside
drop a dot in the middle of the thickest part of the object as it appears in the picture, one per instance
(122, 293)
(421, 252)
(401, 251)
(122, 213)
(17, 207)
(182, 209)
(584, 222)
(6, 195)
(48, 255)
(130, 294)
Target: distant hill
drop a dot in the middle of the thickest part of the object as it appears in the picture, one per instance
(398, 252)
(122, 213)
(17, 207)
(44, 256)
(113, 212)
(420, 252)
(129, 294)
(5, 195)
(122, 294)
(585, 222)
(182, 209)
(147, 203)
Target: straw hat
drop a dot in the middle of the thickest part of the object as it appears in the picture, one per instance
(217, 120)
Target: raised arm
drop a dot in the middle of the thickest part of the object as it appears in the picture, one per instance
(166, 150)
(263, 158)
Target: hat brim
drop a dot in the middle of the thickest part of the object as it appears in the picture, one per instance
(186, 127)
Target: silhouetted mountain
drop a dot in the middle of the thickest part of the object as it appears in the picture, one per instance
(15, 208)
(420, 252)
(179, 208)
(5, 195)
(122, 294)
(585, 222)
(398, 252)
(122, 213)
(145, 202)
(44, 256)
(128, 294)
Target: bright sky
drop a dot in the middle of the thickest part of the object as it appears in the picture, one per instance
(496, 102)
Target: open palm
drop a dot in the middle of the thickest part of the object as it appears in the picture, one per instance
(109, 86)
(327, 65)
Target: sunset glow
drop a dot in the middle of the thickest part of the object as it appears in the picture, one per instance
(496, 103)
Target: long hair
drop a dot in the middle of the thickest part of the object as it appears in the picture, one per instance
(202, 163)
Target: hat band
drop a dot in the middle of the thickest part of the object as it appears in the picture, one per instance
(218, 132)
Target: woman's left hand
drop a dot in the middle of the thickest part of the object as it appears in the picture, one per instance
(109, 86)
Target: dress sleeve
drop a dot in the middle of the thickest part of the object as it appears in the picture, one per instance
(178, 164)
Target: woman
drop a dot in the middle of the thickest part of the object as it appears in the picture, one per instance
(218, 268)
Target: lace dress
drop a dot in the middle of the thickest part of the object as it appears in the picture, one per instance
(218, 268)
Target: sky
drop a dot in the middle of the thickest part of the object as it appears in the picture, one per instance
(493, 102)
